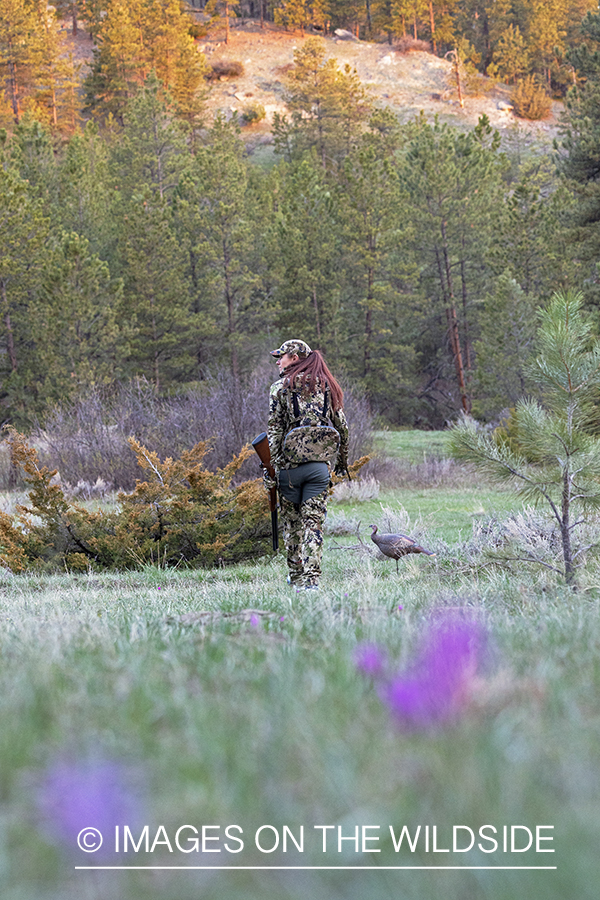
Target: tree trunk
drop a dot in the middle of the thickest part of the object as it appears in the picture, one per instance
(321, 138)
(156, 353)
(445, 273)
(10, 338)
(458, 81)
(566, 530)
(432, 24)
(74, 16)
(317, 317)
(14, 91)
(463, 277)
(369, 17)
(159, 167)
(368, 322)
(230, 302)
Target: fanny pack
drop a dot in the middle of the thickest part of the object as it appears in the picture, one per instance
(311, 442)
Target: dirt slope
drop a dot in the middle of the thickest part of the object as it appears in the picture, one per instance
(407, 83)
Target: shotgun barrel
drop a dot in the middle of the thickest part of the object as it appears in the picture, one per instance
(261, 445)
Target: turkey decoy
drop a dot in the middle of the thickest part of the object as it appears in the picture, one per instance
(396, 545)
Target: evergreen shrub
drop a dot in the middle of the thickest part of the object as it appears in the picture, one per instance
(253, 113)
(197, 30)
(225, 68)
(408, 44)
(181, 513)
(530, 100)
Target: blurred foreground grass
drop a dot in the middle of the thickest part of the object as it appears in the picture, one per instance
(256, 718)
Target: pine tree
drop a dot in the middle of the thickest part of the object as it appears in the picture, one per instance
(85, 190)
(21, 51)
(306, 255)
(82, 343)
(454, 187)
(147, 160)
(217, 226)
(376, 259)
(151, 151)
(580, 161)
(529, 239)
(328, 106)
(71, 9)
(298, 14)
(408, 17)
(219, 10)
(136, 38)
(155, 300)
(546, 32)
(68, 99)
(510, 60)
(32, 156)
(171, 53)
(119, 67)
(552, 457)
(442, 24)
(23, 235)
(507, 326)
(55, 73)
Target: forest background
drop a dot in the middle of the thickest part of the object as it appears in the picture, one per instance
(144, 251)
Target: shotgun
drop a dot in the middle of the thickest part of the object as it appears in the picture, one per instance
(261, 445)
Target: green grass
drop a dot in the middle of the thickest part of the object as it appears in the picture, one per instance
(413, 446)
(227, 720)
(446, 511)
(446, 514)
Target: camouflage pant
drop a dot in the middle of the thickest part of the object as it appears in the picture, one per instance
(303, 536)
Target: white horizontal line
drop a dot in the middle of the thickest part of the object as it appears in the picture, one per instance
(314, 868)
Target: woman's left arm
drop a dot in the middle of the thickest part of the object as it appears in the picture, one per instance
(340, 423)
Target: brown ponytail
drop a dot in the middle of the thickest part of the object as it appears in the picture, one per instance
(309, 374)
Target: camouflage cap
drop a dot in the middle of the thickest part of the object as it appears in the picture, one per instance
(291, 347)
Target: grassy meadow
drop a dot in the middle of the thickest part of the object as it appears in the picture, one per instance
(220, 698)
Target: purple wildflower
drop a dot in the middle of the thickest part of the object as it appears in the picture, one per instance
(81, 796)
(282, 618)
(400, 608)
(370, 659)
(254, 620)
(436, 687)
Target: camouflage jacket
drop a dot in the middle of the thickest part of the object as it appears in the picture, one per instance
(282, 418)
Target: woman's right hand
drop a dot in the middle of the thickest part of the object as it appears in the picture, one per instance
(268, 481)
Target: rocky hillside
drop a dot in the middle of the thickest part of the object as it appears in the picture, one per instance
(406, 82)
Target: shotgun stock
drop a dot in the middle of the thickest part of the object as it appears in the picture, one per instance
(261, 445)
